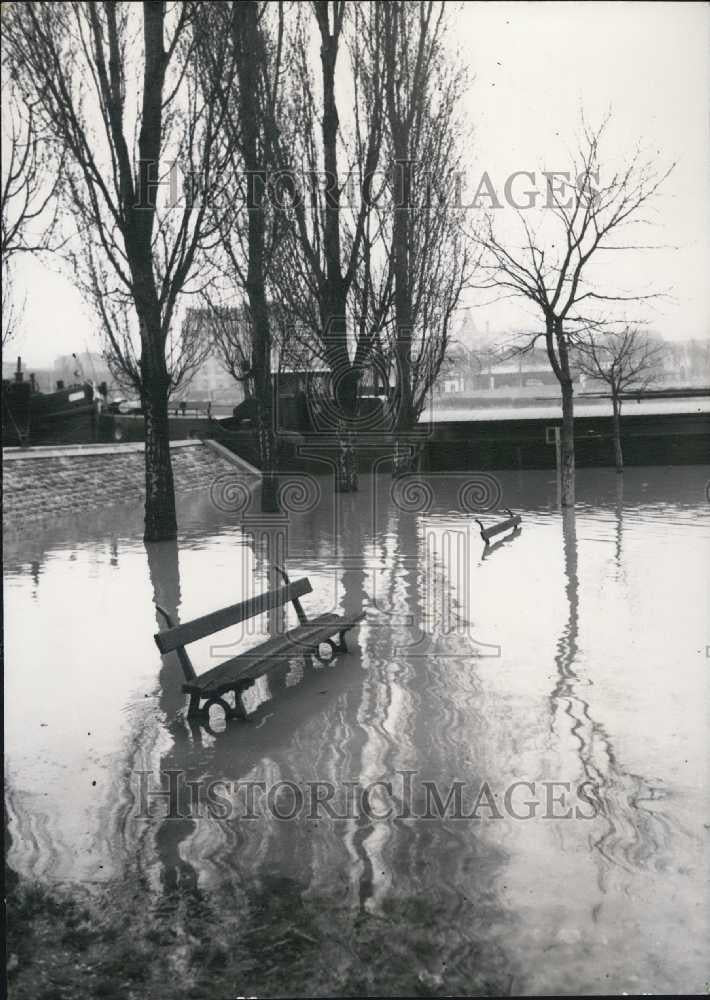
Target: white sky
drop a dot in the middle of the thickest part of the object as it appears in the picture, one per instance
(535, 66)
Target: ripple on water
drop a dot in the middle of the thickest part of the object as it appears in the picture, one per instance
(573, 652)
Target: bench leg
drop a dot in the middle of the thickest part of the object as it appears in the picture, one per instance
(340, 646)
(194, 711)
(335, 647)
(239, 711)
(333, 651)
(202, 714)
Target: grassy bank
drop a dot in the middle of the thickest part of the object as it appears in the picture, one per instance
(124, 943)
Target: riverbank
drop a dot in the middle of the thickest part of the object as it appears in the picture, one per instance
(44, 482)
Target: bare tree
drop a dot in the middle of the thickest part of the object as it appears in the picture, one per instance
(232, 330)
(11, 309)
(250, 36)
(319, 260)
(552, 266)
(134, 253)
(623, 359)
(232, 341)
(430, 259)
(31, 172)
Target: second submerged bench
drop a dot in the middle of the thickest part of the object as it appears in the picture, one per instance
(239, 672)
(512, 521)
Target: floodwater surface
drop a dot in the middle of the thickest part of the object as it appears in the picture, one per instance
(502, 787)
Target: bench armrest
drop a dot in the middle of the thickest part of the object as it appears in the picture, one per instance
(300, 613)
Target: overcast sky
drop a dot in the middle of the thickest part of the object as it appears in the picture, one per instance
(535, 65)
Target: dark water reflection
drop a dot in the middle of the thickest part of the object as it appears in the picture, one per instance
(575, 652)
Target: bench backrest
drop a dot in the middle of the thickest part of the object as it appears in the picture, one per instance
(511, 522)
(181, 635)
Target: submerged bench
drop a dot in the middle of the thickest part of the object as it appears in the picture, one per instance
(512, 521)
(239, 673)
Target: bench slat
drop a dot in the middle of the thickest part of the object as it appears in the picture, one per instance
(254, 662)
(511, 522)
(182, 635)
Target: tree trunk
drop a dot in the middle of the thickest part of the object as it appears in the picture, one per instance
(406, 418)
(346, 479)
(160, 520)
(347, 401)
(400, 126)
(559, 359)
(333, 298)
(270, 492)
(407, 456)
(164, 571)
(567, 445)
(261, 366)
(248, 44)
(344, 386)
(618, 454)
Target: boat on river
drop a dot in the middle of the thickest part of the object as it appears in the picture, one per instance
(68, 414)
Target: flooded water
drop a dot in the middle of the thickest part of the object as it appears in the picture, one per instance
(575, 653)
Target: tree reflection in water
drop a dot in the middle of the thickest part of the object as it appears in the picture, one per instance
(634, 835)
(389, 706)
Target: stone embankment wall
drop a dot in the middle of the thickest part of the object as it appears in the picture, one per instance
(41, 483)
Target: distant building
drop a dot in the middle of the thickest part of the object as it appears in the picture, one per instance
(211, 382)
(523, 371)
(453, 383)
(457, 371)
(296, 364)
(467, 370)
(686, 362)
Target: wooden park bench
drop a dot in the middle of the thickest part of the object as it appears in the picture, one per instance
(239, 673)
(512, 521)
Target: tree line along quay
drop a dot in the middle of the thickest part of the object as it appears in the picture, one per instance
(362, 284)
